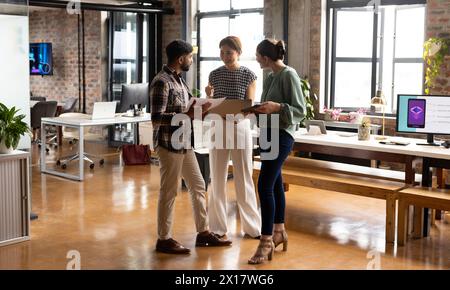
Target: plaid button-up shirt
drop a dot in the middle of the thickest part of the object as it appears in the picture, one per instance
(167, 98)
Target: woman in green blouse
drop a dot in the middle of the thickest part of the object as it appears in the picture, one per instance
(281, 95)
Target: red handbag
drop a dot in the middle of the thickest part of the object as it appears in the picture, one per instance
(135, 154)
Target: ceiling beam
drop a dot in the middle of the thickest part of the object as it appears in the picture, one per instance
(153, 7)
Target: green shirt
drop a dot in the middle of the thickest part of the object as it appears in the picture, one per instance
(284, 87)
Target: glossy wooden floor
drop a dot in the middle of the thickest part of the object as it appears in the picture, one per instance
(110, 218)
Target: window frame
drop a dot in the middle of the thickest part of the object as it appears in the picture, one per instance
(331, 37)
(231, 13)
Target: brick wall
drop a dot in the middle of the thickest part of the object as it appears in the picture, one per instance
(273, 27)
(314, 65)
(60, 28)
(172, 25)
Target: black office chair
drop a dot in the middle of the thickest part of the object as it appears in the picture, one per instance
(133, 94)
(37, 112)
(39, 99)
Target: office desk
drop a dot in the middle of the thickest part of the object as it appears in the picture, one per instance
(428, 163)
(80, 123)
(333, 144)
(432, 156)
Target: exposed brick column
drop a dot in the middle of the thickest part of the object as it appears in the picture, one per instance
(172, 25)
(438, 25)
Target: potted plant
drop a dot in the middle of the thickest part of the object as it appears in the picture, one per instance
(332, 114)
(310, 98)
(196, 93)
(356, 117)
(435, 50)
(364, 130)
(12, 127)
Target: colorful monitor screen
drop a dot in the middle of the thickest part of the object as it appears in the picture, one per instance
(428, 114)
(41, 62)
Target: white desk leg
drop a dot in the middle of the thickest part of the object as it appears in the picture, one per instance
(43, 161)
(81, 153)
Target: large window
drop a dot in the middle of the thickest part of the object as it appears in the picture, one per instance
(133, 39)
(220, 18)
(374, 45)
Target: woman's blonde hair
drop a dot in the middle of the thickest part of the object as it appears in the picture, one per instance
(273, 49)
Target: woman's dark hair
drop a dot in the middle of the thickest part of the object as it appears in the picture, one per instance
(176, 49)
(232, 41)
(273, 49)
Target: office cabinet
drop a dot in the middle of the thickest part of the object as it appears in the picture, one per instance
(14, 197)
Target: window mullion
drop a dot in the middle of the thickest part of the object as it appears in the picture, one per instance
(333, 59)
(374, 54)
(381, 58)
(394, 61)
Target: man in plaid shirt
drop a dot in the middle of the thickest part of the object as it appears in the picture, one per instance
(169, 95)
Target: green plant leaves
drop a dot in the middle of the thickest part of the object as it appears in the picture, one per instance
(310, 98)
(12, 126)
(434, 59)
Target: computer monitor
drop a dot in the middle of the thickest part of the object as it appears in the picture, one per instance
(426, 114)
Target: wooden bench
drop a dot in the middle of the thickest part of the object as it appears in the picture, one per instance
(345, 178)
(421, 197)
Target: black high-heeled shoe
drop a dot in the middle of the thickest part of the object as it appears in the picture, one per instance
(280, 237)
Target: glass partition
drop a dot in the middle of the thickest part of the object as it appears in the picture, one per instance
(14, 63)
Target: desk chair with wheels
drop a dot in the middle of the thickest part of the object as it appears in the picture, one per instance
(72, 134)
(39, 99)
(39, 111)
(69, 106)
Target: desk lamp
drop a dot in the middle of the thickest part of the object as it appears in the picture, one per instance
(379, 101)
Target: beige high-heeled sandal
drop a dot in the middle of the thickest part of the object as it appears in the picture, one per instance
(280, 237)
(263, 252)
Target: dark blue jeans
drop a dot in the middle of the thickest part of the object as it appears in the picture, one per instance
(270, 185)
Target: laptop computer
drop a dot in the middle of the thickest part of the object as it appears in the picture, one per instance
(104, 110)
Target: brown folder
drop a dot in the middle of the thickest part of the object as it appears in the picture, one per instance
(230, 106)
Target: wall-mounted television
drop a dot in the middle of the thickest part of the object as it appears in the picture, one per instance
(41, 59)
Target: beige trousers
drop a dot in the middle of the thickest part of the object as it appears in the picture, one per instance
(173, 166)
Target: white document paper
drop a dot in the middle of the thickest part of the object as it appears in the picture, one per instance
(201, 101)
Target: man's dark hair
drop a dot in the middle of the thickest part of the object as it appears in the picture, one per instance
(177, 48)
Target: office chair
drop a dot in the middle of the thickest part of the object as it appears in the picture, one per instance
(39, 99)
(69, 106)
(72, 133)
(39, 111)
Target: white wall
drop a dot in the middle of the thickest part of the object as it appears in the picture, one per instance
(14, 67)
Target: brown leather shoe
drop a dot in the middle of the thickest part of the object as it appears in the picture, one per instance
(210, 240)
(170, 246)
(222, 237)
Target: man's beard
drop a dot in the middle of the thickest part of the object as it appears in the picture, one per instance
(185, 67)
